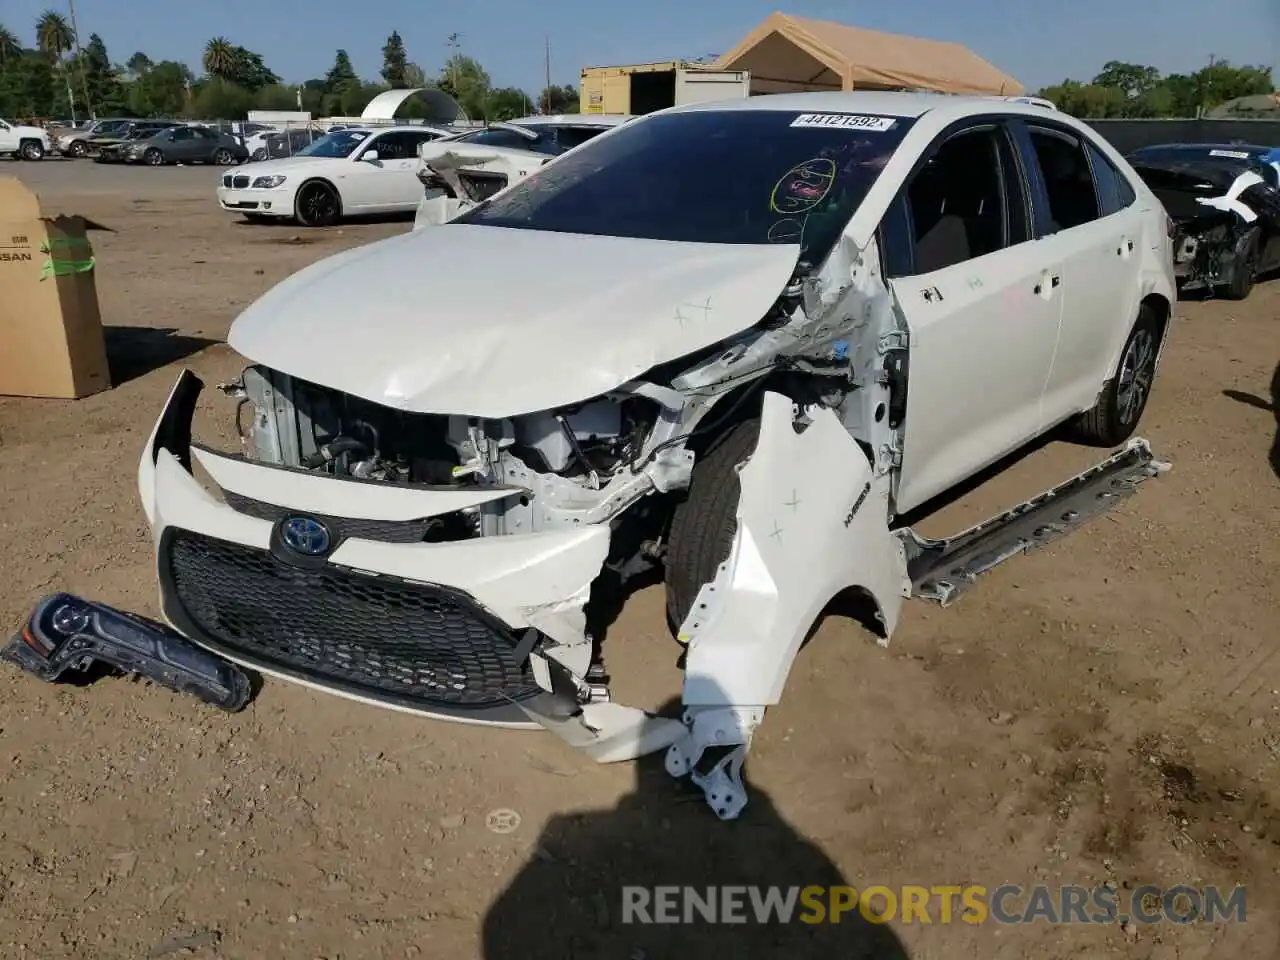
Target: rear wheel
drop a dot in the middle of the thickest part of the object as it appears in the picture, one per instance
(31, 150)
(704, 524)
(317, 205)
(154, 157)
(1119, 408)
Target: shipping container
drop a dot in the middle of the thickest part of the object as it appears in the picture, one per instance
(646, 87)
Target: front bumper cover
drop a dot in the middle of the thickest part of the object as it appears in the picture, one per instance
(273, 202)
(521, 586)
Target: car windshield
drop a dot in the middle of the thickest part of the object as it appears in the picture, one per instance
(709, 176)
(339, 144)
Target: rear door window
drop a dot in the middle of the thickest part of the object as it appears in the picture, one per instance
(1068, 180)
(1114, 191)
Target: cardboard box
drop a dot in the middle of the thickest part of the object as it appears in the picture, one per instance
(51, 340)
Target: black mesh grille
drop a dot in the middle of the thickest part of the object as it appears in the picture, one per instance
(363, 634)
(240, 182)
(226, 180)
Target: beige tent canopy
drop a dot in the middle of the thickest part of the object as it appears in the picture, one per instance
(787, 54)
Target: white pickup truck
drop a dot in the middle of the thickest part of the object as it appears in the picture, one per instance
(27, 143)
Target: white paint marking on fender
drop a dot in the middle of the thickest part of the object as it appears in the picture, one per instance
(1231, 199)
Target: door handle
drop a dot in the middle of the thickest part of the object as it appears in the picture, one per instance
(1124, 249)
(1054, 281)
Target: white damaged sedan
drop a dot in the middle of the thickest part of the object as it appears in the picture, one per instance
(735, 341)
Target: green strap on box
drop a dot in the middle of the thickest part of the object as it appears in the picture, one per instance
(64, 267)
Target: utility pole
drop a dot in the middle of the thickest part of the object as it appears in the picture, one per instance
(546, 92)
(84, 83)
(452, 43)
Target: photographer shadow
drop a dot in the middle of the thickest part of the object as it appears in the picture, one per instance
(569, 901)
(1272, 406)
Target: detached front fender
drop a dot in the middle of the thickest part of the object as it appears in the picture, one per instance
(812, 522)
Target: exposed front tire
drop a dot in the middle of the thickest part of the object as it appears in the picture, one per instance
(259, 155)
(78, 149)
(1124, 397)
(31, 150)
(154, 157)
(317, 205)
(705, 522)
(1246, 268)
(222, 157)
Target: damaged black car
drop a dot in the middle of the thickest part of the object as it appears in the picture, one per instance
(1224, 201)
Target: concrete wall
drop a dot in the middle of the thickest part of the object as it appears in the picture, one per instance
(1126, 135)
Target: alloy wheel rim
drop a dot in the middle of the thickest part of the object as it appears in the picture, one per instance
(319, 203)
(1135, 376)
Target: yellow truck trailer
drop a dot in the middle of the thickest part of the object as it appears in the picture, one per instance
(645, 87)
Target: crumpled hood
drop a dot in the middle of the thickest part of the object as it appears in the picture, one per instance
(495, 322)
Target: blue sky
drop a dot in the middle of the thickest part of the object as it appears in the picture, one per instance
(1025, 39)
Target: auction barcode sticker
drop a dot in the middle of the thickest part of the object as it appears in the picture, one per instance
(1235, 154)
(851, 121)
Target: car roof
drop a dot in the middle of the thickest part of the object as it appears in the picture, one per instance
(573, 120)
(885, 102)
(399, 128)
(1205, 149)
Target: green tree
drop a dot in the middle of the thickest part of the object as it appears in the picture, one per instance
(467, 82)
(28, 86)
(555, 99)
(220, 58)
(354, 96)
(1220, 82)
(161, 91)
(1131, 79)
(138, 64)
(276, 96)
(414, 76)
(219, 99)
(10, 48)
(1133, 90)
(313, 96)
(249, 70)
(394, 62)
(106, 93)
(1086, 99)
(340, 73)
(507, 103)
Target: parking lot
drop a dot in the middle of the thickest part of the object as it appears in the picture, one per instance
(1107, 709)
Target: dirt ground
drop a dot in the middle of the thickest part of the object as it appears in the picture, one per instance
(1105, 709)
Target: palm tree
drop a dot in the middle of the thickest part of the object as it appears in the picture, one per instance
(54, 38)
(10, 48)
(53, 35)
(220, 58)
